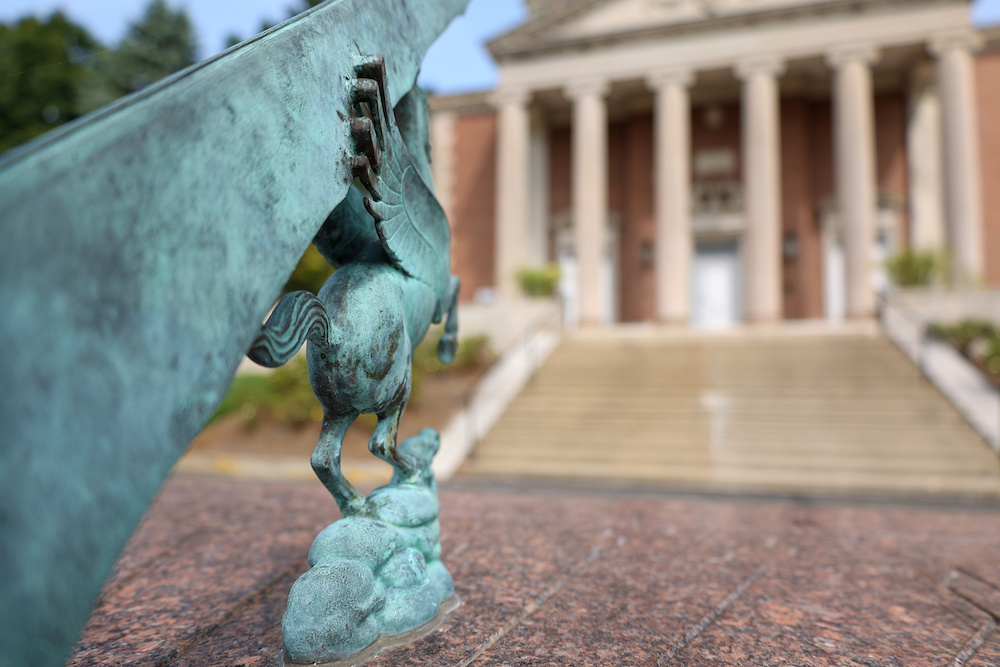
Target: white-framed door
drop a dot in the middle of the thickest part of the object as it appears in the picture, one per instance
(716, 285)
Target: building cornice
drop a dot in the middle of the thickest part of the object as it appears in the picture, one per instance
(528, 40)
(991, 38)
(468, 103)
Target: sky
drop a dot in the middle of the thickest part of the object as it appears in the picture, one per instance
(458, 62)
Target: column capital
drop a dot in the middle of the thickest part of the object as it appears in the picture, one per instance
(866, 54)
(660, 79)
(575, 90)
(962, 40)
(769, 65)
(514, 96)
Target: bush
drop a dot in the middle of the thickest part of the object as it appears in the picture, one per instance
(916, 268)
(472, 352)
(283, 395)
(539, 281)
(286, 396)
(977, 340)
(310, 273)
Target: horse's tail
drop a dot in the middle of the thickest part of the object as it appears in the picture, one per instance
(297, 317)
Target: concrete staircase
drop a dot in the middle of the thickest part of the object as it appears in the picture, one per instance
(738, 412)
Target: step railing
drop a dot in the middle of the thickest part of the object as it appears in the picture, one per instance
(485, 399)
(964, 385)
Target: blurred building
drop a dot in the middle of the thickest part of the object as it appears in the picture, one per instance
(715, 161)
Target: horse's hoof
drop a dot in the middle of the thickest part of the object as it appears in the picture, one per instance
(447, 347)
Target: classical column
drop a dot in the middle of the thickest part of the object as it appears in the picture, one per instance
(513, 213)
(761, 139)
(924, 162)
(590, 191)
(854, 170)
(540, 185)
(963, 187)
(672, 193)
(442, 138)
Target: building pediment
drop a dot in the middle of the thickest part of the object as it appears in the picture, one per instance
(587, 23)
(625, 16)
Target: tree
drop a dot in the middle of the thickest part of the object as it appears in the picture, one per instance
(42, 64)
(160, 43)
(303, 5)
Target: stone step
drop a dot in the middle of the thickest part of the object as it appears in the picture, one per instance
(742, 478)
(836, 412)
(756, 459)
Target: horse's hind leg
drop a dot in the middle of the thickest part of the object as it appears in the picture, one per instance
(449, 340)
(326, 463)
(383, 441)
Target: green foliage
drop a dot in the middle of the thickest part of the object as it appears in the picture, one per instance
(162, 42)
(302, 6)
(963, 334)
(283, 395)
(234, 38)
(541, 281)
(52, 70)
(42, 65)
(916, 268)
(310, 273)
(978, 340)
(472, 352)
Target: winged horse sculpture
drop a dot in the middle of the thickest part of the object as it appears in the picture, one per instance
(389, 240)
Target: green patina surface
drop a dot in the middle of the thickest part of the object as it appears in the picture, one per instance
(141, 248)
(390, 241)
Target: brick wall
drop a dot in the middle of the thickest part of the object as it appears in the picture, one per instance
(802, 285)
(890, 155)
(988, 91)
(722, 131)
(474, 202)
(630, 196)
(560, 180)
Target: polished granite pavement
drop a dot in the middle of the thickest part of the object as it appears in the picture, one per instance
(562, 575)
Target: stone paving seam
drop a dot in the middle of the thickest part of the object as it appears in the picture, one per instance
(968, 596)
(290, 570)
(533, 606)
(955, 603)
(714, 614)
(974, 643)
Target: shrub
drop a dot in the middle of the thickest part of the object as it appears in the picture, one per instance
(963, 334)
(283, 395)
(472, 352)
(916, 268)
(976, 339)
(541, 281)
(310, 273)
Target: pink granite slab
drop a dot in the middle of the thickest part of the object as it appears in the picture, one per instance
(568, 577)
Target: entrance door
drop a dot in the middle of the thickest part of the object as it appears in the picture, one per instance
(715, 286)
